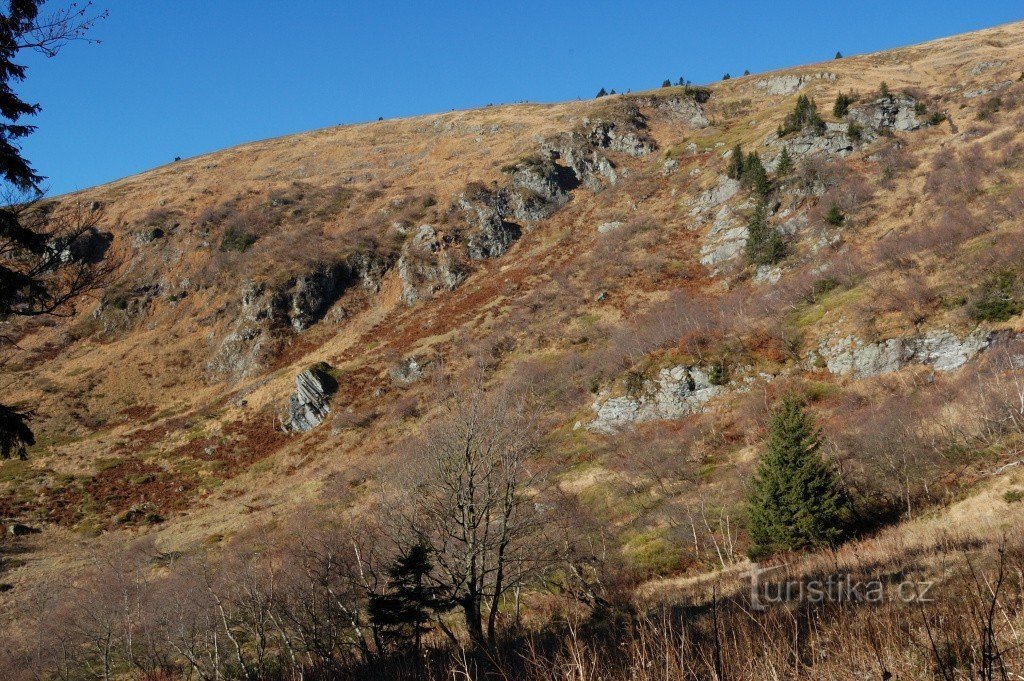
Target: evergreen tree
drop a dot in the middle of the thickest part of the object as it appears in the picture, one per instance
(835, 216)
(839, 55)
(736, 160)
(36, 275)
(682, 81)
(601, 93)
(785, 165)
(804, 116)
(842, 105)
(754, 175)
(764, 243)
(797, 500)
(726, 77)
(746, 72)
(403, 612)
(884, 91)
(666, 83)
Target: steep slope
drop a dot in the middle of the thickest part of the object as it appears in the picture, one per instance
(594, 251)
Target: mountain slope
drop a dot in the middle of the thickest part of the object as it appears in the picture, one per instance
(594, 252)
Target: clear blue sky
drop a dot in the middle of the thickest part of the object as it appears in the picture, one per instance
(183, 77)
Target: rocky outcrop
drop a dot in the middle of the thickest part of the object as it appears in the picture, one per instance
(591, 168)
(787, 84)
(713, 197)
(726, 239)
(610, 135)
(684, 108)
(269, 312)
(309, 405)
(938, 349)
(834, 141)
(429, 263)
(676, 392)
(893, 112)
(406, 372)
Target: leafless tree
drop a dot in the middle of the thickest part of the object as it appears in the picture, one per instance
(471, 497)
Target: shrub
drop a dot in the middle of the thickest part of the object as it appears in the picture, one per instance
(989, 108)
(236, 239)
(797, 500)
(804, 116)
(1013, 496)
(718, 373)
(764, 243)
(854, 131)
(997, 299)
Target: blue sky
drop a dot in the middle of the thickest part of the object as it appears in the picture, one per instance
(183, 77)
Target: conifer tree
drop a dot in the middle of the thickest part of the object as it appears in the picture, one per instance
(40, 273)
(403, 612)
(835, 216)
(754, 175)
(785, 163)
(839, 55)
(601, 93)
(842, 105)
(736, 163)
(666, 83)
(797, 500)
(764, 243)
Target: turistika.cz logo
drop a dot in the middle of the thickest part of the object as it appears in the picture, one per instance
(838, 588)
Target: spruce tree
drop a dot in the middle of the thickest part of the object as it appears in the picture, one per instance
(736, 161)
(37, 277)
(403, 612)
(785, 164)
(764, 243)
(666, 83)
(754, 175)
(601, 93)
(842, 105)
(797, 500)
(835, 216)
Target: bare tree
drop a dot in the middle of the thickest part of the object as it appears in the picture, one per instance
(472, 501)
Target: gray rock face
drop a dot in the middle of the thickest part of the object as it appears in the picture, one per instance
(309, 404)
(591, 167)
(834, 141)
(715, 196)
(608, 135)
(686, 109)
(895, 112)
(726, 239)
(406, 372)
(606, 227)
(676, 392)
(939, 349)
(428, 264)
(268, 312)
(787, 84)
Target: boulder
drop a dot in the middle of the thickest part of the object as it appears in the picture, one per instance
(309, 405)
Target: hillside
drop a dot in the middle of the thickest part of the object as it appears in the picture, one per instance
(594, 254)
